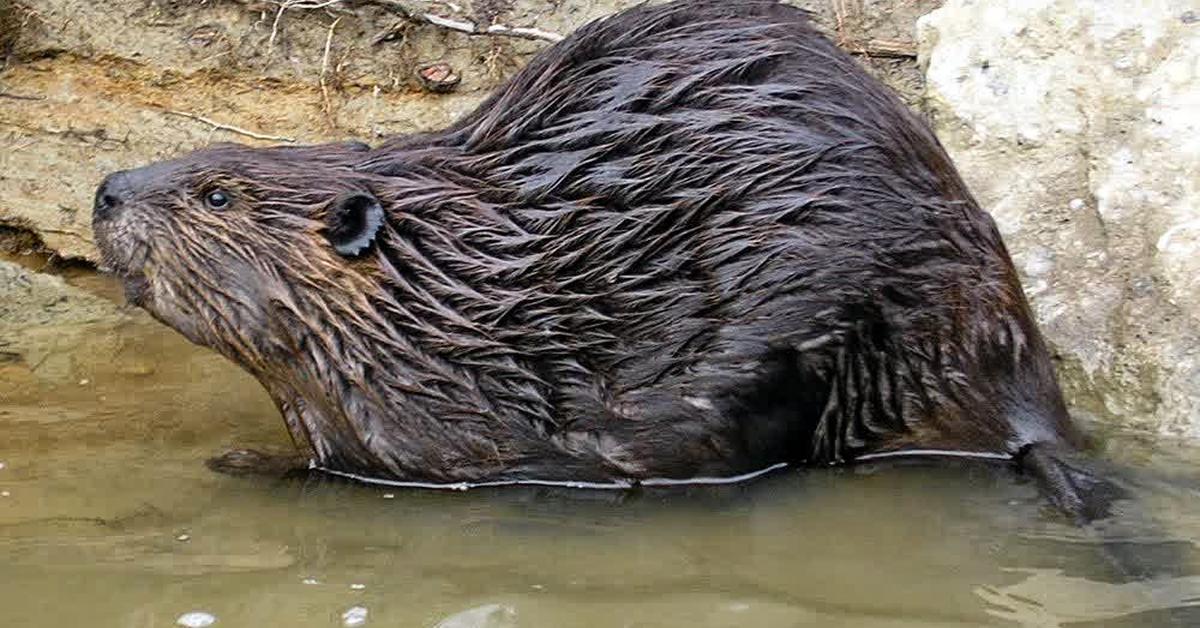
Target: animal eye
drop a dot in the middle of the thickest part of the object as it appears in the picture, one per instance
(217, 199)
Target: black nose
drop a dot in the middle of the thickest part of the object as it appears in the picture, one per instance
(112, 194)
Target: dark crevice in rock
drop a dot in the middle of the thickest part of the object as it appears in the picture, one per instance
(24, 246)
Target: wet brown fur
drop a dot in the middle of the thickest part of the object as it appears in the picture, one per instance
(692, 239)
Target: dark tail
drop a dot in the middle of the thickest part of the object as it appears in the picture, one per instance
(1072, 484)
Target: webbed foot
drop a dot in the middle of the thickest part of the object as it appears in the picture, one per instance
(250, 462)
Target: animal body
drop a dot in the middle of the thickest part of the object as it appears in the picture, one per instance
(689, 240)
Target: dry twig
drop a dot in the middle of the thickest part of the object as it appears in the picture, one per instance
(839, 18)
(882, 48)
(229, 127)
(284, 5)
(878, 48)
(13, 96)
(411, 11)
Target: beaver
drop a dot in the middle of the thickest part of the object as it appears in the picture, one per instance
(692, 240)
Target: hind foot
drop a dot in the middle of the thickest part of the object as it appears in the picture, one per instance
(250, 462)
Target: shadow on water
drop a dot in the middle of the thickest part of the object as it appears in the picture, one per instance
(108, 517)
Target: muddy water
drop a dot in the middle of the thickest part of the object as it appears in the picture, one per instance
(109, 518)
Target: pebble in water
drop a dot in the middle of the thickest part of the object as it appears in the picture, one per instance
(183, 537)
(486, 616)
(310, 581)
(196, 619)
(354, 616)
(358, 587)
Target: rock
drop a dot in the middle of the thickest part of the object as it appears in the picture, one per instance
(44, 326)
(439, 78)
(30, 299)
(1078, 127)
(486, 616)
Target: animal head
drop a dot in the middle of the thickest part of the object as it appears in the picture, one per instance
(226, 243)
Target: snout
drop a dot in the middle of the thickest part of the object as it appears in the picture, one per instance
(114, 193)
(121, 211)
(116, 235)
(119, 189)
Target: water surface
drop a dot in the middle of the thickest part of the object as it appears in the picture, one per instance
(109, 518)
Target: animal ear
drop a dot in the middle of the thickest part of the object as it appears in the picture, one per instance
(352, 222)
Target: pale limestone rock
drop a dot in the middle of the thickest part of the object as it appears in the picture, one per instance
(1077, 124)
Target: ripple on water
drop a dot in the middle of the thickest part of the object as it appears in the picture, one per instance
(354, 616)
(1048, 597)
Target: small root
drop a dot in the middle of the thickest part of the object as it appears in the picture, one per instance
(229, 127)
(881, 49)
(412, 12)
(327, 104)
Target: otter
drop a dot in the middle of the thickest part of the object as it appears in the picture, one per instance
(693, 240)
